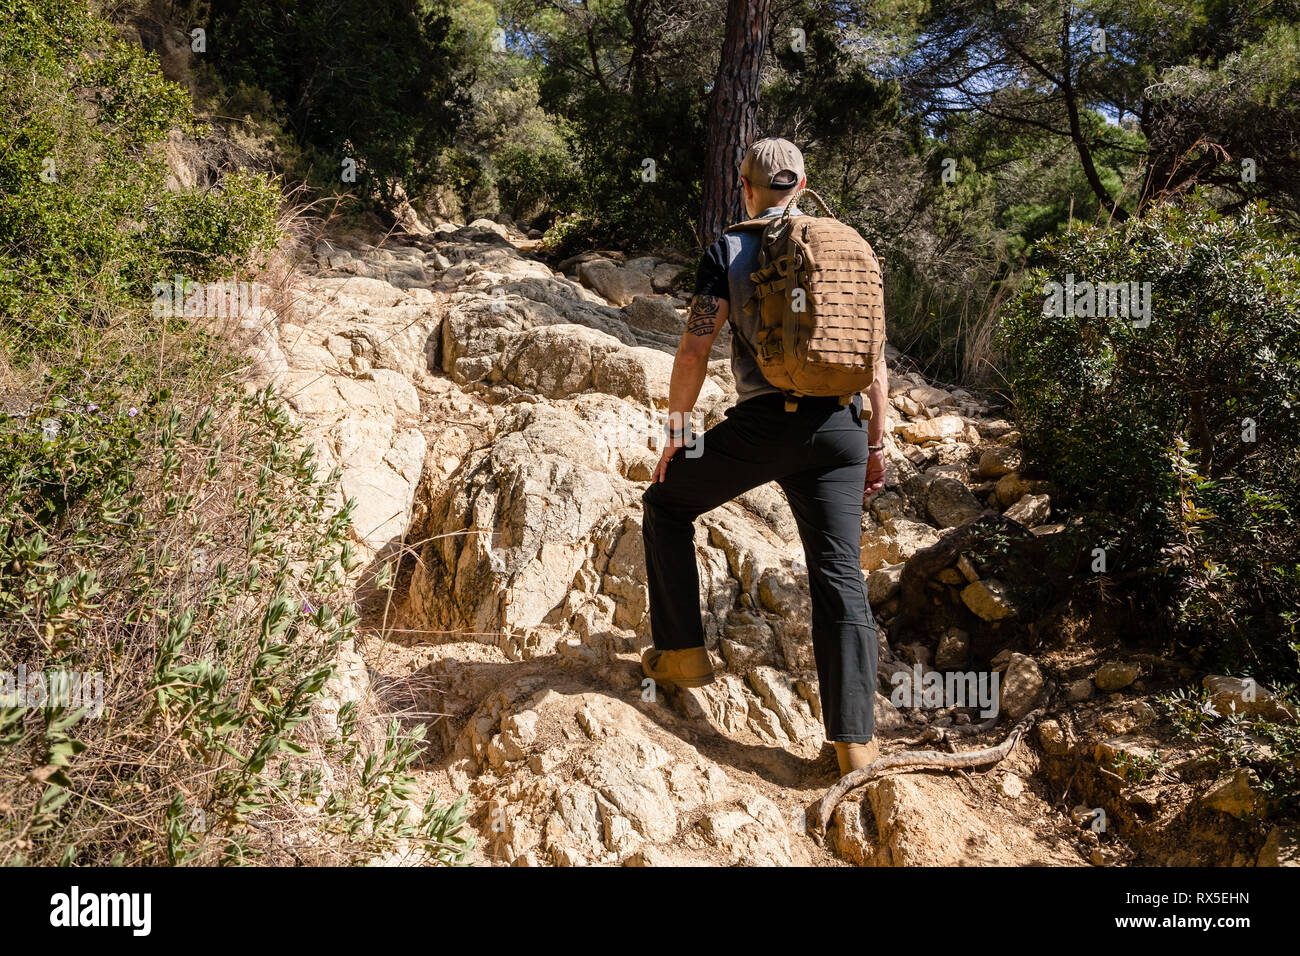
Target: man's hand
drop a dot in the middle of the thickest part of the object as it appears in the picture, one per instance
(670, 449)
(706, 318)
(875, 474)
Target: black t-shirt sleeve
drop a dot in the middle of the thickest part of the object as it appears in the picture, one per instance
(711, 274)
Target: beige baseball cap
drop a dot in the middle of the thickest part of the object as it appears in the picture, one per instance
(773, 163)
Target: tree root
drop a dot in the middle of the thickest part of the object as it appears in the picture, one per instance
(922, 759)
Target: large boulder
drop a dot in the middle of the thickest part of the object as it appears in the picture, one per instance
(618, 284)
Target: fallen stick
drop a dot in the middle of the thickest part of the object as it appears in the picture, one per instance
(938, 735)
(921, 759)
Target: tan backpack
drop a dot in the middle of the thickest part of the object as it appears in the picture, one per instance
(821, 305)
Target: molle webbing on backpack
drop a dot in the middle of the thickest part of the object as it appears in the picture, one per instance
(821, 305)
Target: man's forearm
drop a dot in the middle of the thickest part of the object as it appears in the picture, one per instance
(689, 372)
(878, 396)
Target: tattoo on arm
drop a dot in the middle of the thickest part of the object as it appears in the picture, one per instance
(703, 317)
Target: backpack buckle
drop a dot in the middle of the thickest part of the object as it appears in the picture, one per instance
(788, 263)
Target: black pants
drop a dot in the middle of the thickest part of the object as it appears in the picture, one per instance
(818, 456)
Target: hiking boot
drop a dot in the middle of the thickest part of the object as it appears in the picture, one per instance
(688, 667)
(855, 756)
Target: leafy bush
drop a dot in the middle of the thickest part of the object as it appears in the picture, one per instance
(190, 565)
(380, 82)
(623, 201)
(161, 532)
(87, 223)
(1184, 432)
(1270, 748)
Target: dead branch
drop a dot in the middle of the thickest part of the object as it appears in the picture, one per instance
(917, 759)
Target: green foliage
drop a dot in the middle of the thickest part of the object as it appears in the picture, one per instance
(161, 531)
(1184, 431)
(1138, 768)
(1269, 748)
(618, 90)
(87, 221)
(196, 564)
(382, 82)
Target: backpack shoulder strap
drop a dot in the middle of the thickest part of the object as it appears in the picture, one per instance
(750, 225)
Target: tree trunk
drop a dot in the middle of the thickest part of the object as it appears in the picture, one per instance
(733, 110)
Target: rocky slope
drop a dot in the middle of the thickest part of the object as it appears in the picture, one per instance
(494, 420)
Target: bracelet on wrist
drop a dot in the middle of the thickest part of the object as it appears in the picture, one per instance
(677, 434)
(880, 447)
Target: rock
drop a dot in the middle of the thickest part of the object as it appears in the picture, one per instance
(1010, 489)
(950, 503)
(1030, 510)
(1244, 696)
(539, 510)
(1233, 795)
(753, 833)
(954, 650)
(849, 833)
(1052, 738)
(570, 265)
(627, 773)
(928, 395)
(936, 429)
(967, 568)
(887, 716)
(988, 599)
(1115, 752)
(1079, 690)
(924, 821)
(883, 584)
(664, 276)
(617, 284)
(894, 542)
(947, 471)
(490, 226)
(654, 314)
(518, 731)
(993, 428)
(1281, 848)
(778, 694)
(1115, 675)
(998, 461)
(951, 577)
(1021, 684)
(502, 415)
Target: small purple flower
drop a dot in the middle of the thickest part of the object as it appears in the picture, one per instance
(92, 408)
(307, 608)
(133, 412)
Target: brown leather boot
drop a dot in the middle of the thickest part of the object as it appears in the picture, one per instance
(688, 667)
(855, 756)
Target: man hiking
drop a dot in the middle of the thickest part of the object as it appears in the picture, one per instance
(823, 452)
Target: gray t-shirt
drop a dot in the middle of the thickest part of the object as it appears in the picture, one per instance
(724, 272)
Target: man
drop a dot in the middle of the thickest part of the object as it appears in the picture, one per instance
(824, 455)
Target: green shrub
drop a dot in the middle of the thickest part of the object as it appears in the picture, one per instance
(160, 531)
(88, 225)
(1184, 432)
(193, 562)
(379, 82)
(1267, 747)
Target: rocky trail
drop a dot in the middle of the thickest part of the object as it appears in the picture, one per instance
(493, 419)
